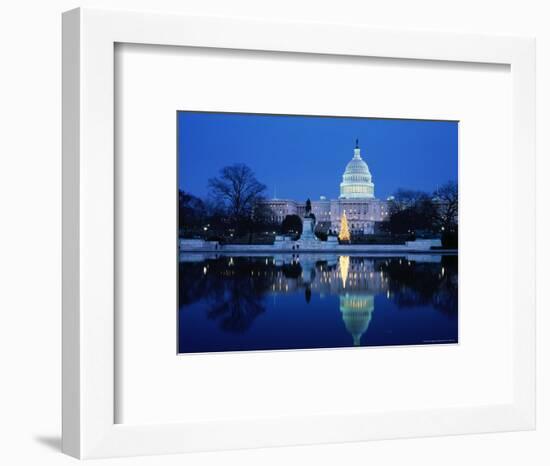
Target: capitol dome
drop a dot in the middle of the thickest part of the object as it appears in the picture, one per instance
(357, 313)
(357, 180)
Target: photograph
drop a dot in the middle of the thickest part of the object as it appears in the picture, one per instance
(273, 233)
(315, 232)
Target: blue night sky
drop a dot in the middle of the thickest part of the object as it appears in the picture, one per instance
(301, 156)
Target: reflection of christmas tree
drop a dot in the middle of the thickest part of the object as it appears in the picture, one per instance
(344, 231)
(344, 267)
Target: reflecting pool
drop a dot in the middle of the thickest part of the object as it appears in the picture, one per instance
(242, 302)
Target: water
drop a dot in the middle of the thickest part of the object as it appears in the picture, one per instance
(240, 303)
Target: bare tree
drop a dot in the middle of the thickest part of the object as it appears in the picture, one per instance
(406, 198)
(238, 190)
(191, 210)
(447, 201)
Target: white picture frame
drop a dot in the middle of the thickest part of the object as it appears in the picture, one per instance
(89, 38)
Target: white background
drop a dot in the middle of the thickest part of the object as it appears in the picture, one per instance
(30, 144)
(152, 83)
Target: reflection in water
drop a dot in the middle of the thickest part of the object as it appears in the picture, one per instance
(356, 312)
(344, 268)
(234, 303)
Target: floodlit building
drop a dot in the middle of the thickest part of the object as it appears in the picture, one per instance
(363, 210)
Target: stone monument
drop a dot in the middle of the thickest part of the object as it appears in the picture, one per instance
(308, 238)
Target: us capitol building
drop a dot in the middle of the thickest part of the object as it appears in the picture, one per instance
(356, 199)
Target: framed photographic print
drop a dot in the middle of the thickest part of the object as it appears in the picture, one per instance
(261, 271)
(279, 213)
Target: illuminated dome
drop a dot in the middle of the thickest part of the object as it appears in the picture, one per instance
(356, 313)
(357, 180)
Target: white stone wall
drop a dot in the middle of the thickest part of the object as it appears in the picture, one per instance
(362, 214)
(321, 210)
(281, 208)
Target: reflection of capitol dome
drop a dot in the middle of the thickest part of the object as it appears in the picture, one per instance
(356, 313)
(357, 180)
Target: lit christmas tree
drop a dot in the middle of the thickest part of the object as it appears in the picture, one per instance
(344, 231)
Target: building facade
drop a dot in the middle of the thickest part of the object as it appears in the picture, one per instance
(357, 199)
